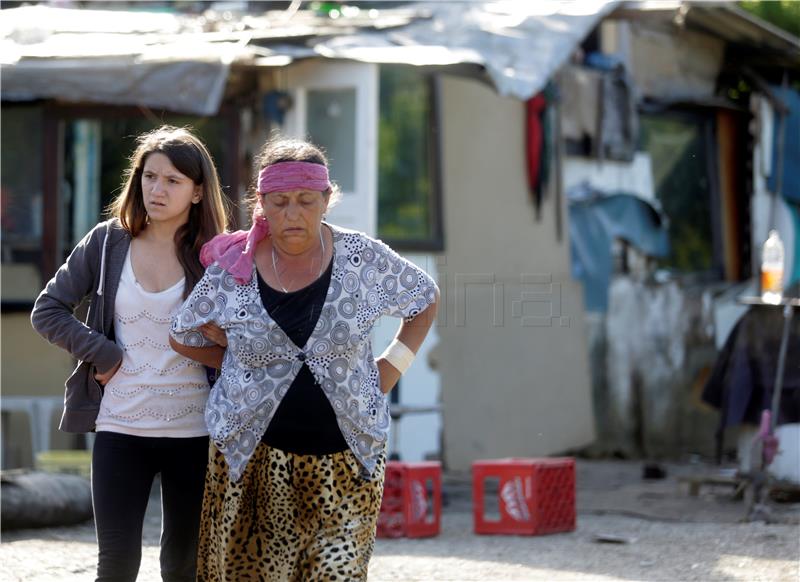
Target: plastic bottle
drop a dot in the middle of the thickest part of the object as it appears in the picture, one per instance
(772, 269)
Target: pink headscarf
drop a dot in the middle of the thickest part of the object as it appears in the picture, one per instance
(288, 176)
(234, 251)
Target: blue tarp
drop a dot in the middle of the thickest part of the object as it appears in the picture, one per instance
(791, 156)
(595, 220)
(793, 271)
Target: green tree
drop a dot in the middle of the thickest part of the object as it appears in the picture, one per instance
(782, 13)
(404, 180)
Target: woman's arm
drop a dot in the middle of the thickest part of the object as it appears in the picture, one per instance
(195, 332)
(412, 334)
(210, 356)
(53, 313)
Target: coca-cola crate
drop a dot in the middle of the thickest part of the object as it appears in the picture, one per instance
(534, 496)
(412, 500)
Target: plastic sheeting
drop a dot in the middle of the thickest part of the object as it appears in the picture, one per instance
(119, 57)
(183, 86)
(595, 220)
(520, 44)
(113, 57)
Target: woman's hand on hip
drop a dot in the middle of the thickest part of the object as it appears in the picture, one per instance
(389, 375)
(105, 377)
(215, 333)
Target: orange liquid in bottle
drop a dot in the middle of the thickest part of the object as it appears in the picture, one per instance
(771, 281)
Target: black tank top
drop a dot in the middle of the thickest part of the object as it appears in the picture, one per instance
(305, 423)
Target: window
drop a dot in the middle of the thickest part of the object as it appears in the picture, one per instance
(70, 161)
(21, 199)
(409, 193)
(332, 125)
(96, 155)
(679, 146)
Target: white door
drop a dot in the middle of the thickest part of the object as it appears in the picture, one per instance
(336, 107)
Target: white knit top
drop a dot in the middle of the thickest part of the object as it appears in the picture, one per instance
(156, 392)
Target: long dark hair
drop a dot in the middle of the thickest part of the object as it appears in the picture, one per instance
(207, 218)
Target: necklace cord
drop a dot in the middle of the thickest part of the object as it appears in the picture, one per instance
(321, 261)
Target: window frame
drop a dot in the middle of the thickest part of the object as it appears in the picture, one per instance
(54, 116)
(705, 120)
(25, 305)
(436, 242)
(57, 114)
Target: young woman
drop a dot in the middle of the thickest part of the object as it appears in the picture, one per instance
(299, 417)
(144, 400)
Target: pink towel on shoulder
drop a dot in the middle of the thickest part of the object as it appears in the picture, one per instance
(234, 251)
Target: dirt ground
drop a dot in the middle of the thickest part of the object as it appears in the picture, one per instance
(658, 531)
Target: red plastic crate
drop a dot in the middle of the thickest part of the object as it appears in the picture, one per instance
(534, 496)
(412, 500)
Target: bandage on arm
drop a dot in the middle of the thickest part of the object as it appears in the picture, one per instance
(399, 355)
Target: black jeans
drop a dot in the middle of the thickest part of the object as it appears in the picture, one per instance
(123, 468)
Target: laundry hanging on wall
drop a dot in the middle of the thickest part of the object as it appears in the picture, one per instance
(599, 118)
(596, 219)
(540, 144)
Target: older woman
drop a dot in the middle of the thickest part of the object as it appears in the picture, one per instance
(299, 416)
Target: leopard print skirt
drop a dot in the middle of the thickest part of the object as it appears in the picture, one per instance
(290, 517)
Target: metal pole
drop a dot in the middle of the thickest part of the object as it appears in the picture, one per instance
(788, 310)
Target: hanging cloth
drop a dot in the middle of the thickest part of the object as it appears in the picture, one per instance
(534, 145)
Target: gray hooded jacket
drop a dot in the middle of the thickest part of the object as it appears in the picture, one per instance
(92, 270)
